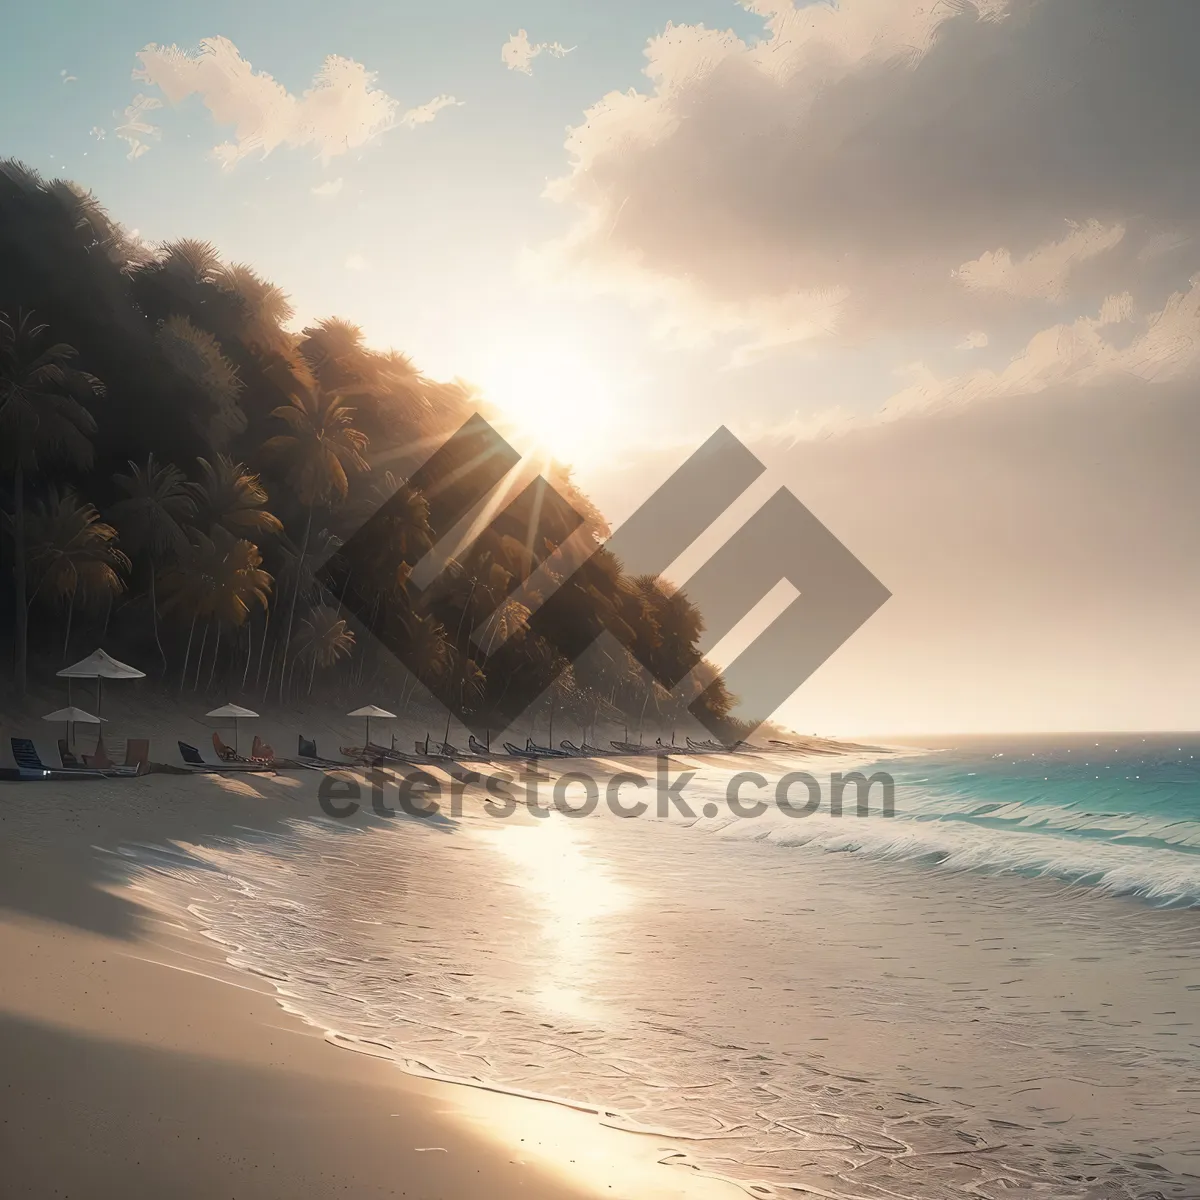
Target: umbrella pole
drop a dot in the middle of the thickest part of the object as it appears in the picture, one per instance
(368, 732)
(236, 748)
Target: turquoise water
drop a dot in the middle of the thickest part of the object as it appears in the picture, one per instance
(1118, 812)
(943, 1003)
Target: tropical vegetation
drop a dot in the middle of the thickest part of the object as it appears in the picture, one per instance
(183, 471)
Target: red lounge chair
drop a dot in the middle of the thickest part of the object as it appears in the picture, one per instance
(225, 753)
(99, 760)
(261, 752)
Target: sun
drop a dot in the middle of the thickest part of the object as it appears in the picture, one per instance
(558, 401)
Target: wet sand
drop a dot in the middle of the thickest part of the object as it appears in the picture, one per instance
(767, 1013)
(136, 1062)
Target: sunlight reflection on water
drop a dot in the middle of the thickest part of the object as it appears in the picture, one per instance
(574, 894)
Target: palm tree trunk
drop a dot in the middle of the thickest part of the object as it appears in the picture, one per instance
(67, 635)
(187, 654)
(154, 619)
(287, 641)
(642, 714)
(21, 642)
(200, 659)
(249, 652)
(270, 671)
(216, 654)
(261, 647)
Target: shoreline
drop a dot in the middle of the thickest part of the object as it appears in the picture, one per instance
(476, 934)
(177, 1073)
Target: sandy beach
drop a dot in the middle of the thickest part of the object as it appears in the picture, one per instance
(137, 1062)
(212, 987)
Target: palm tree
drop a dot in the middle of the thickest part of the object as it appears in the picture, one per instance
(324, 639)
(74, 555)
(429, 650)
(231, 495)
(151, 518)
(508, 622)
(192, 261)
(41, 419)
(197, 354)
(319, 447)
(218, 580)
(265, 307)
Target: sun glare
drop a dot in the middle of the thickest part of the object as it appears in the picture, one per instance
(561, 403)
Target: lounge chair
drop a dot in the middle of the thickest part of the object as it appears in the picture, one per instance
(307, 752)
(30, 765)
(68, 760)
(137, 753)
(225, 753)
(192, 760)
(98, 759)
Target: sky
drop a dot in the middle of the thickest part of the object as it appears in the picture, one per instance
(933, 262)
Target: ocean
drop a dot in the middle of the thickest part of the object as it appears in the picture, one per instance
(993, 992)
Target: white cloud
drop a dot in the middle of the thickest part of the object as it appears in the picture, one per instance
(426, 112)
(1041, 274)
(871, 149)
(975, 340)
(356, 262)
(518, 53)
(135, 128)
(330, 187)
(1166, 347)
(341, 110)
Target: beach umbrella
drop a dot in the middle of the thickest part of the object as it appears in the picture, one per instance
(99, 665)
(369, 711)
(70, 716)
(235, 711)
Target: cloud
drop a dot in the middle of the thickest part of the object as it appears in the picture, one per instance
(135, 128)
(918, 160)
(330, 187)
(975, 340)
(426, 112)
(1043, 272)
(356, 262)
(340, 111)
(518, 52)
(1165, 346)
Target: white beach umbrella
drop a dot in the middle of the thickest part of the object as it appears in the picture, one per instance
(369, 711)
(235, 711)
(99, 665)
(72, 716)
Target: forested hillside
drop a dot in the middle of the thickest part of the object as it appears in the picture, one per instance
(179, 461)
